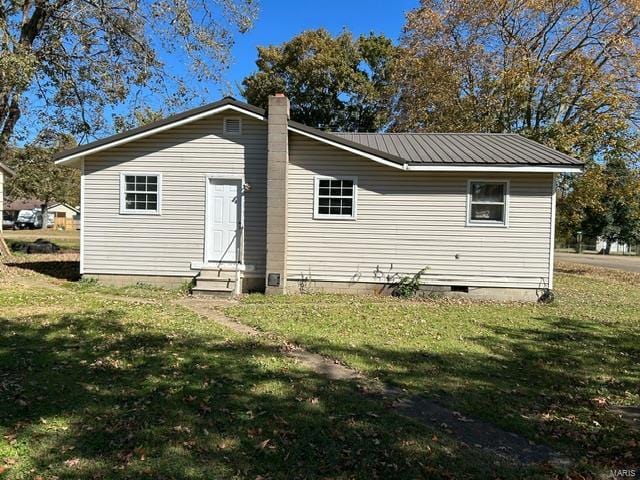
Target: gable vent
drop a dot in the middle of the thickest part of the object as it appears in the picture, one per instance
(232, 126)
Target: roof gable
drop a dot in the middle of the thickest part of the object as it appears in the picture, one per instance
(173, 121)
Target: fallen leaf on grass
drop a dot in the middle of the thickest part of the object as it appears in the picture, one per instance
(72, 462)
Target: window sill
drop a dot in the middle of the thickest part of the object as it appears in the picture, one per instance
(337, 218)
(134, 212)
(487, 224)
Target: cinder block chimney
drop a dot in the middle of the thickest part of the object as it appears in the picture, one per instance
(277, 168)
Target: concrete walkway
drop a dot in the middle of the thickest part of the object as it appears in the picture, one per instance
(473, 433)
(616, 262)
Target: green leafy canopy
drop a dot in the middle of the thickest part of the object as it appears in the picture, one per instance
(334, 82)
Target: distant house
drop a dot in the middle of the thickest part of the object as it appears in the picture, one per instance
(244, 199)
(60, 215)
(65, 216)
(4, 171)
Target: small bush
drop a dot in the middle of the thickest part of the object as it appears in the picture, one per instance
(407, 287)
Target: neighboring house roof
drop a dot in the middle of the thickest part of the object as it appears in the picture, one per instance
(410, 151)
(6, 170)
(28, 204)
(54, 205)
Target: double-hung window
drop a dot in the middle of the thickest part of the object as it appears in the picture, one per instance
(140, 193)
(335, 198)
(487, 203)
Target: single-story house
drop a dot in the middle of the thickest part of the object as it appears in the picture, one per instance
(65, 216)
(265, 203)
(4, 171)
(60, 215)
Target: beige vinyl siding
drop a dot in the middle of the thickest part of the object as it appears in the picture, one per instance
(409, 220)
(166, 244)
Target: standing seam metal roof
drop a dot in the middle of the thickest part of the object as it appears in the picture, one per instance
(462, 148)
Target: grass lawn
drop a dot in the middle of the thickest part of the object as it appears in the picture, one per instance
(68, 240)
(549, 372)
(125, 383)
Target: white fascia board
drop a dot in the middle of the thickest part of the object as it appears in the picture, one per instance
(153, 131)
(355, 151)
(493, 168)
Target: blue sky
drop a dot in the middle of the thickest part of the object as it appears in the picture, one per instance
(279, 20)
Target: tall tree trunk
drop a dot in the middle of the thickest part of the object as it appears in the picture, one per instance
(607, 247)
(45, 215)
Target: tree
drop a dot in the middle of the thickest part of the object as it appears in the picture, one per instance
(38, 177)
(334, 83)
(137, 118)
(561, 72)
(603, 202)
(66, 60)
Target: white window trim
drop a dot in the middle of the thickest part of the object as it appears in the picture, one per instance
(224, 126)
(489, 223)
(124, 210)
(316, 192)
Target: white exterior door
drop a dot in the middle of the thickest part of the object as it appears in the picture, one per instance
(223, 225)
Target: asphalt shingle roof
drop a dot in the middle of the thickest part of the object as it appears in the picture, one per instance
(462, 148)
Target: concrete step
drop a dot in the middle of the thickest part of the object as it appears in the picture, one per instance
(216, 283)
(212, 293)
(211, 274)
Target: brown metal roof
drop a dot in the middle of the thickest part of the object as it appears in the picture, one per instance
(462, 149)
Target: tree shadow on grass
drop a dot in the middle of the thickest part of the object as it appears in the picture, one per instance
(96, 395)
(546, 382)
(60, 269)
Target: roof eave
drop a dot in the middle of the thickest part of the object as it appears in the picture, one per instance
(497, 168)
(344, 144)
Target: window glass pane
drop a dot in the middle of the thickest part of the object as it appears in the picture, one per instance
(335, 197)
(487, 212)
(135, 198)
(487, 192)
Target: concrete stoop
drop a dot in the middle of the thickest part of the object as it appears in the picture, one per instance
(216, 283)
